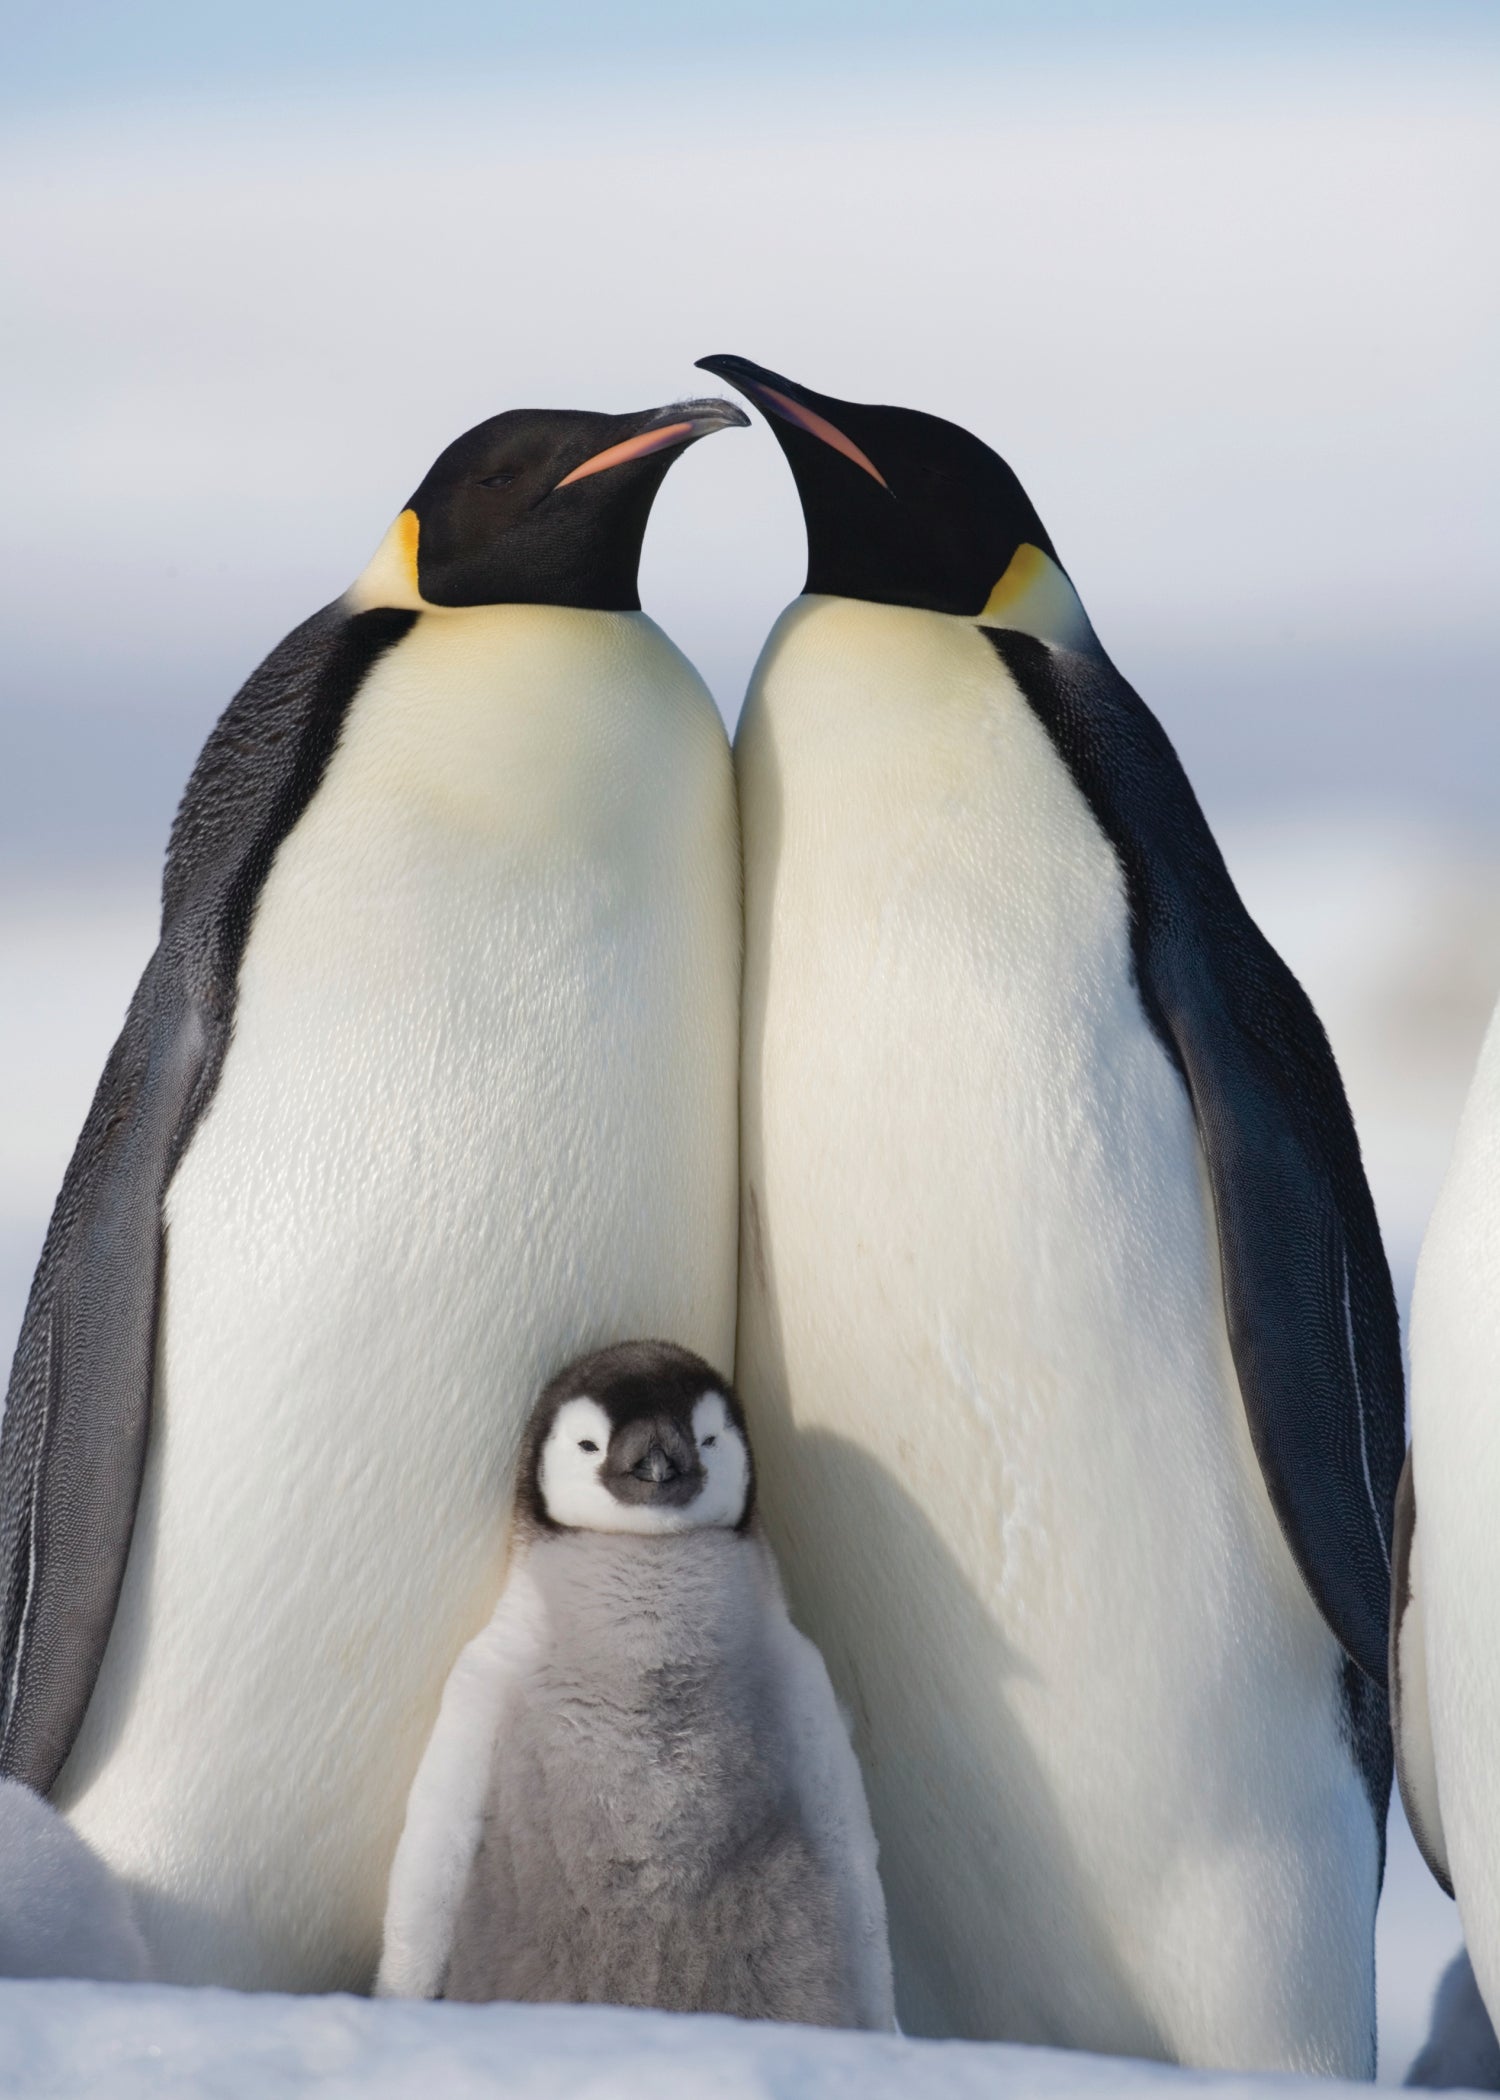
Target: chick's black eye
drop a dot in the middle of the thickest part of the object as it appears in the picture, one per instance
(586, 1443)
(502, 480)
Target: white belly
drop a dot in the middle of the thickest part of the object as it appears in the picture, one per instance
(1455, 1425)
(982, 1345)
(478, 1115)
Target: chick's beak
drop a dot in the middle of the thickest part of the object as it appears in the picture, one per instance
(655, 1465)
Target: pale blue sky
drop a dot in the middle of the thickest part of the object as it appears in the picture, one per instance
(60, 52)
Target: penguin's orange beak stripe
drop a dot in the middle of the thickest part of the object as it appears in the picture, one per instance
(816, 426)
(630, 448)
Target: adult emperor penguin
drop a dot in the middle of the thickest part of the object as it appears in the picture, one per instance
(1066, 1335)
(639, 1790)
(1445, 1622)
(430, 1084)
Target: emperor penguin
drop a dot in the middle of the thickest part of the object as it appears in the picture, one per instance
(640, 1790)
(430, 1084)
(1445, 1620)
(1066, 1333)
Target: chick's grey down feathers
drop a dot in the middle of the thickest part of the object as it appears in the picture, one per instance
(640, 1789)
(642, 1842)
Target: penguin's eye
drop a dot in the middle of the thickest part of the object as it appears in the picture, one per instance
(709, 1440)
(586, 1443)
(502, 480)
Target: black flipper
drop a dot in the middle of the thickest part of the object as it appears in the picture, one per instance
(78, 1411)
(1311, 1314)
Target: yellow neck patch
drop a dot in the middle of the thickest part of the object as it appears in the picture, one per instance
(1035, 597)
(390, 576)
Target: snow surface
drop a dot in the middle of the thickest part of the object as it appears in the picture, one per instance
(115, 2042)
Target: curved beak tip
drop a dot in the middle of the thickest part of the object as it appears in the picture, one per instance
(708, 416)
(683, 423)
(739, 372)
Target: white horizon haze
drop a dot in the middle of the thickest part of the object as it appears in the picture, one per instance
(1228, 323)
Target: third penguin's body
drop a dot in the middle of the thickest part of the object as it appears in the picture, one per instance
(1064, 1323)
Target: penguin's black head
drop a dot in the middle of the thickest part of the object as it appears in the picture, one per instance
(643, 1437)
(539, 506)
(905, 509)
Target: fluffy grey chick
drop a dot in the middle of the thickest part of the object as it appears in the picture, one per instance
(62, 1912)
(639, 1790)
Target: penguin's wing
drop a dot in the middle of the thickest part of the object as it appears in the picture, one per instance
(78, 1409)
(1308, 1300)
(76, 1417)
(1411, 1718)
(831, 1796)
(445, 1809)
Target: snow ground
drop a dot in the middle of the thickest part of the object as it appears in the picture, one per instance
(1395, 930)
(118, 2042)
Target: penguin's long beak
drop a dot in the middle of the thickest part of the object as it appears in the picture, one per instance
(680, 423)
(775, 396)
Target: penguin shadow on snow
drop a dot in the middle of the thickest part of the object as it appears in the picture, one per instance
(928, 1792)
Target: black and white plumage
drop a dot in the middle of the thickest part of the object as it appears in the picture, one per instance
(1064, 1316)
(640, 1790)
(430, 1083)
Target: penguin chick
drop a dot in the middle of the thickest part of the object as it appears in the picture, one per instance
(639, 1790)
(62, 1912)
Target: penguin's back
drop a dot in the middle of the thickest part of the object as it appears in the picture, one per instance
(642, 1843)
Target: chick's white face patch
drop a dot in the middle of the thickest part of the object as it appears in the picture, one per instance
(568, 1474)
(574, 1493)
(725, 1462)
